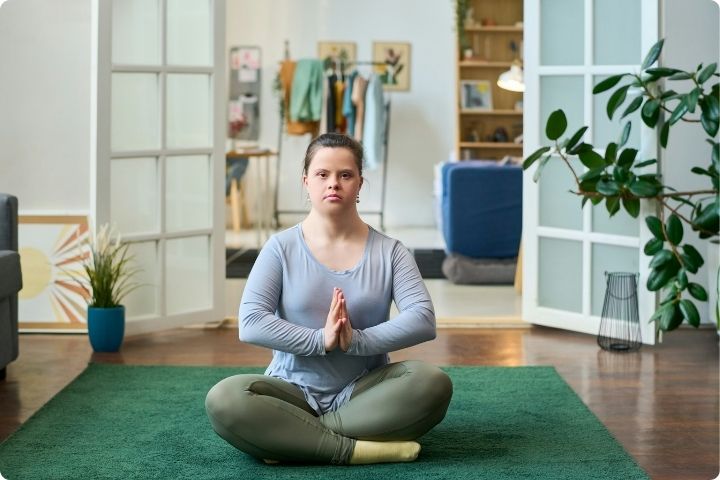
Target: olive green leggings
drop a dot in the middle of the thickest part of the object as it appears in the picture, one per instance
(269, 418)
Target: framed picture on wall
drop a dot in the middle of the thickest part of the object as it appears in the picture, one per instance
(392, 64)
(52, 249)
(475, 95)
(337, 54)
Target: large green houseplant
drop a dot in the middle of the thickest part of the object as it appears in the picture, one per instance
(617, 176)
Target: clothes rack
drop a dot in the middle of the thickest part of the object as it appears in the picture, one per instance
(386, 135)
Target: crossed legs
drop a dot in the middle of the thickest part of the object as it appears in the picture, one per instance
(269, 418)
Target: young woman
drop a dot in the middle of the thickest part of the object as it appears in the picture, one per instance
(319, 296)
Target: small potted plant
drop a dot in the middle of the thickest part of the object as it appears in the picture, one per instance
(107, 280)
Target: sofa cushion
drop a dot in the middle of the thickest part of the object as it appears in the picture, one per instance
(10, 277)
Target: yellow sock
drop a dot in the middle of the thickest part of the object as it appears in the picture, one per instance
(384, 452)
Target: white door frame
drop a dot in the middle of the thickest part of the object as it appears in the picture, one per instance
(534, 127)
(101, 154)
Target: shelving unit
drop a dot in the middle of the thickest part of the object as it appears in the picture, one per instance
(493, 26)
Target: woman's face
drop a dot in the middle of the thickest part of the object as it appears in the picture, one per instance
(333, 180)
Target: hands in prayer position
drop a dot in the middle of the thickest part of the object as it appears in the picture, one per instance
(338, 330)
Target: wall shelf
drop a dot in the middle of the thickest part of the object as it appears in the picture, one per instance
(491, 145)
(495, 29)
(484, 64)
(492, 112)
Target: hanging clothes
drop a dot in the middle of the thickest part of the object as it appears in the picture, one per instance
(306, 97)
(287, 73)
(374, 123)
(340, 121)
(348, 108)
(358, 100)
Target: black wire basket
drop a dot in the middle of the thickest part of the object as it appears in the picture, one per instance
(619, 323)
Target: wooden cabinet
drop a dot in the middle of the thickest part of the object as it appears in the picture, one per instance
(489, 118)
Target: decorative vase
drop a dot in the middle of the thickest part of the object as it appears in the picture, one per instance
(619, 323)
(106, 328)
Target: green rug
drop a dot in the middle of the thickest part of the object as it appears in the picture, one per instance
(129, 422)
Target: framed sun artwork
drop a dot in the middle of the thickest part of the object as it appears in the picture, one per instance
(52, 250)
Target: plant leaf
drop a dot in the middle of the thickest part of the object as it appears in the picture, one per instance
(655, 226)
(591, 159)
(575, 138)
(608, 187)
(650, 112)
(681, 76)
(653, 246)
(697, 291)
(625, 135)
(616, 99)
(658, 278)
(607, 84)
(556, 125)
(690, 312)
(692, 99)
(706, 73)
(610, 153)
(534, 156)
(645, 163)
(674, 229)
(642, 188)
(653, 54)
(632, 206)
(541, 165)
(692, 253)
(661, 258)
(634, 105)
(627, 157)
(664, 134)
(680, 110)
(612, 204)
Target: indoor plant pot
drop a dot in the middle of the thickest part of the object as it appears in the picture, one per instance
(106, 328)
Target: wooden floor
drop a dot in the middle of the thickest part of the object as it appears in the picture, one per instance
(661, 403)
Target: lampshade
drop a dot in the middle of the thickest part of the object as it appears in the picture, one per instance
(512, 79)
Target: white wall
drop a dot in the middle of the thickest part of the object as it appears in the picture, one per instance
(422, 123)
(690, 28)
(45, 104)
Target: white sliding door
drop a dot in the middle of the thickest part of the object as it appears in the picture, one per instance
(159, 159)
(570, 46)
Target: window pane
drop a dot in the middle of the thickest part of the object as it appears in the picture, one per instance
(187, 194)
(558, 207)
(188, 111)
(189, 32)
(562, 92)
(134, 194)
(606, 130)
(134, 116)
(144, 300)
(620, 224)
(609, 258)
(136, 32)
(188, 274)
(617, 32)
(562, 32)
(560, 274)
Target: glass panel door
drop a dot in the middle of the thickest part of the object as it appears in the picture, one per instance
(570, 45)
(160, 152)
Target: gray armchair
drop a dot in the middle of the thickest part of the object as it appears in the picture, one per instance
(10, 281)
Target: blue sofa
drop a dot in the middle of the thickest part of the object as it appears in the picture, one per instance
(481, 221)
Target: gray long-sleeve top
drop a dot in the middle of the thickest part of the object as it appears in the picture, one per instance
(287, 299)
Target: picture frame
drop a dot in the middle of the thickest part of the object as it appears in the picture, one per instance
(333, 53)
(475, 95)
(392, 65)
(52, 249)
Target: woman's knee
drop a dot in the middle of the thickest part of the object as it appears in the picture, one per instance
(225, 401)
(430, 382)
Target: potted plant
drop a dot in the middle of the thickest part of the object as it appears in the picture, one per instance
(619, 177)
(108, 279)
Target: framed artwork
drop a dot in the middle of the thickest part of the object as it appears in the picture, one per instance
(52, 249)
(392, 64)
(475, 95)
(333, 53)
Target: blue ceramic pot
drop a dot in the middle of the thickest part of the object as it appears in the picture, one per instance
(106, 328)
